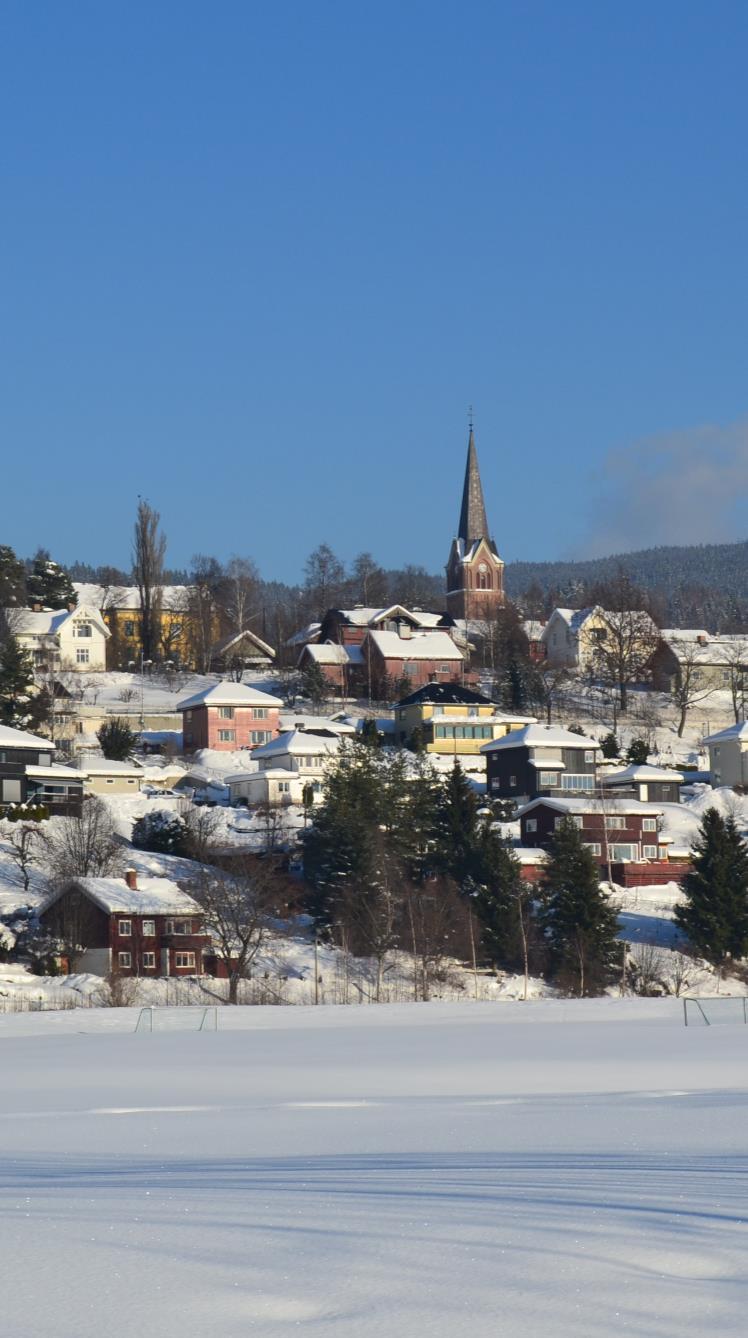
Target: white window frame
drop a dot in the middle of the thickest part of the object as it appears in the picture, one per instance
(531, 824)
(650, 852)
(82, 655)
(227, 736)
(124, 960)
(649, 824)
(148, 965)
(149, 929)
(189, 965)
(226, 712)
(124, 932)
(594, 846)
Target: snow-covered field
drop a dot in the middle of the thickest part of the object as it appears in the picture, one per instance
(548, 1169)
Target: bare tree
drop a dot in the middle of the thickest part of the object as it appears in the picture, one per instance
(734, 659)
(148, 554)
(625, 647)
(82, 847)
(324, 579)
(23, 838)
(206, 583)
(239, 596)
(555, 684)
(202, 826)
(691, 684)
(241, 900)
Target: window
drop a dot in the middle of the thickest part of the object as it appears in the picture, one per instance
(149, 929)
(531, 824)
(649, 825)
(84, 629)
(624, 852)
(594, 847)
(614, 824)
(184, 960)
(260, 736)
(226, 712)
(589, 755)
(45, 760)
(649, 852)
(259, 713)
(226, 735)
(410, 669)
(148, 961)
(547, 778)
(284, 786)
(129, 627)
(442, 669)
(512, 783)
(82, 655)
(570, 781)
(125, 928)
(125, 960)
(188, 715)
(182, 927)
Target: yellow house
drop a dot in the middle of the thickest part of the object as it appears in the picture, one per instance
(181, 633)
(453, 721)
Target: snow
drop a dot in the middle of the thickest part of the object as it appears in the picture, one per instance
(228, 694)
(540, 736)
(18, 738)
(152, 896)
(544, 1169)
(420, 646)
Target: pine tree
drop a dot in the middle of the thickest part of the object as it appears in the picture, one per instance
(501, 900)
(314, 685)
(48, 583)
(579, 922)
(12, 579)
(16, 685)
(458, 835)
(117, 740)
(369, 733)
(715, 916)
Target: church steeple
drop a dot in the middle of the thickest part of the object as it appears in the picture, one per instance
(473, 523)
(475, 572)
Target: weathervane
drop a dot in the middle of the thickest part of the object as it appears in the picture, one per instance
(470, 417)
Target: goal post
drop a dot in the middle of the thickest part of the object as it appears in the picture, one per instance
(190, 1017)
(715, 1011)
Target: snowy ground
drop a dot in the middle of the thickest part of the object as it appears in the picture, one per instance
(543, 1170)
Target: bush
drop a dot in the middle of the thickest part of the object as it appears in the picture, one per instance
(116, 739)
(161, 832)
(609, 746)
(638, 752)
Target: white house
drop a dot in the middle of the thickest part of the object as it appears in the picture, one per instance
(574, 637)
(273, 785)
(304, 755)
(72, 638)
(728, 755)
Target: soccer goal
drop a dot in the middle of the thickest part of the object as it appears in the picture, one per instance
(190, 1017)
(714, 1012)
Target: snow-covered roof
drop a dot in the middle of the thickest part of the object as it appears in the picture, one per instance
(328, 652)
(369, 617)
(47, 622)
(228, 694)
(718, 651)
(589, 804)
(424, 646)
(127, 597)
(309, 633)
(530, 854)
(234, 638)
(274, 773)
(641, 774)
(55, 772)
(732, 734)
(533, 629)
(297, 741)
(18, 738)
(540, 736)
(290, 720)
(105, 766)
(153, 896)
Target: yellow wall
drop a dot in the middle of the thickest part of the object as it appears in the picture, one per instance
(178, 640)
(457, 716)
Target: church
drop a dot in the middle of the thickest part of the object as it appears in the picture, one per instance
(475, 572)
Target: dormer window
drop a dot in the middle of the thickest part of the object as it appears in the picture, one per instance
(84, 629)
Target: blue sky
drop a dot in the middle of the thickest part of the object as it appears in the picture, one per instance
(257, 260)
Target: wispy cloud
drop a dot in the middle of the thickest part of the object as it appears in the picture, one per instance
(682, 487)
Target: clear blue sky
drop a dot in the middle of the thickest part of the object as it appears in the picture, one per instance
(257, 259)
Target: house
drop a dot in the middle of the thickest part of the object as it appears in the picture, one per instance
(303, 754)
(339, 665)
(28, 774)
(325, 725)
(728, 756)
(348, 627)
(392, 657)
(453, 719)
(574, 638)
(618, 832)
(540, 760)
(533, 630)
(71, 638)
(475, 572)
(228, 716)
(239, 651)
(106, 776)
(126, 926)
(180, 634)
(270, 786)
(659, 785)
(711, 663)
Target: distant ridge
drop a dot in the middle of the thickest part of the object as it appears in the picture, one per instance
(668, 570)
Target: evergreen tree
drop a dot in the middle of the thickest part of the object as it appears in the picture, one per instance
(162, 832)
(369, 733)
(16, 685)
(48, 583)
(458, 836)
(715, 916)
(579, 922)
(638, 752)
(314, 685)
(609, 746)
(116, 739)
(12, 579)
(501, 900)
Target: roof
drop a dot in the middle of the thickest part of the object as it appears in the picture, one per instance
(127, 597)
(445, 694)
(719, 651)
(736, 733)
(533, 628)
(297, 741)
(328, 652)
(47, 622)
(641, 774)
(305, 634)
(55, 771)
(290, 720)
(153, 896)
(473, 523)
(591, 805)
(234, 638)
(540, 736)
(426, 646)
(106, 766)
(229, 694)
(362, 616)
(18, 738)
(274, 773)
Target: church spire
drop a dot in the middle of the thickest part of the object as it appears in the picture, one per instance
(473, 523)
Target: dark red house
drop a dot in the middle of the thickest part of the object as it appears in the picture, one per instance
(623, 833)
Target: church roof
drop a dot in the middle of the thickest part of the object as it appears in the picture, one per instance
(473, 522)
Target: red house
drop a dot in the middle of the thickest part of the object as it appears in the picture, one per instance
(228, 716)
(113, 926)
(623, 833)
(427, 657)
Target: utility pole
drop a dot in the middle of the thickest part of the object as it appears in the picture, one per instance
(316, 969)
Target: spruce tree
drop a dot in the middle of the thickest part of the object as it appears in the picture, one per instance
(16, 685)
(501, 900)
(117, 740)
(48, 583)
(715, 916)
(314, 685)
(579, 922)
(458, 834)
(12, 579)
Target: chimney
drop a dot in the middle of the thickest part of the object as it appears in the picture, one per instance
(131, 878)
(37, 607)
(405, 630)
(72, 606)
